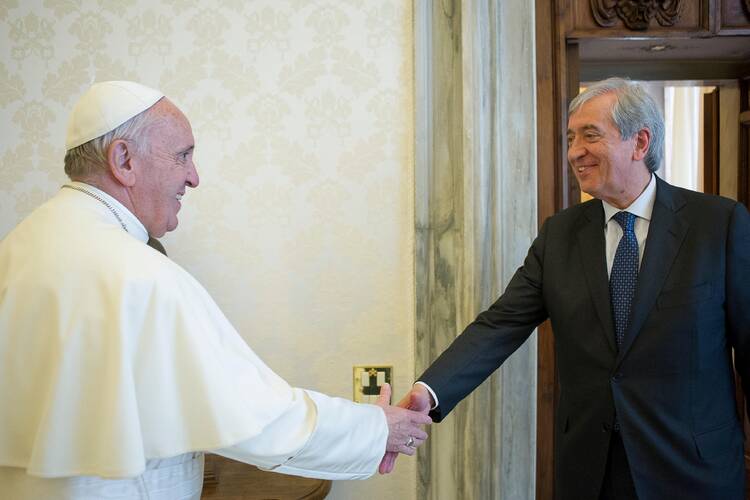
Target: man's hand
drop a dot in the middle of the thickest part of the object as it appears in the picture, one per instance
(419, 400)
(404, 426)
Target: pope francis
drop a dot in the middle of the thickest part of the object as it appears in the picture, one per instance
(117, 369)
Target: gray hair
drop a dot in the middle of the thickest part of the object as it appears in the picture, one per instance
(90, 157)
(634, 109)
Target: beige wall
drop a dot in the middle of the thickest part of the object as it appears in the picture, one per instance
(302, 228)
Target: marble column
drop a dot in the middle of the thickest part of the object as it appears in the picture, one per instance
(475, 219)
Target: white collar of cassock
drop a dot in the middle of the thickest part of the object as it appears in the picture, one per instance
(130, 222)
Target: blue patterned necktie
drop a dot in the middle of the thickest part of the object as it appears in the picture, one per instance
(624, 274)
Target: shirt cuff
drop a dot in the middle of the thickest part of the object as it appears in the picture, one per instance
(432, 393)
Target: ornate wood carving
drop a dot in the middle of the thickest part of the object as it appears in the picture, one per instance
(636, 14)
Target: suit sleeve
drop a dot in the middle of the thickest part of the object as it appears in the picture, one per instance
(738, 293)
(493, 336)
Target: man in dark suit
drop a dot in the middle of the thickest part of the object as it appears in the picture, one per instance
(648, 290)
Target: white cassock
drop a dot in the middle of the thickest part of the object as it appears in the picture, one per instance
(117, 369)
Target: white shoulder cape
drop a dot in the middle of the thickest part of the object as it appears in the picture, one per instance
(111, 354)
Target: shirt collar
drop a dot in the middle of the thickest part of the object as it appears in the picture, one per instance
(642, 207)
(132, 225)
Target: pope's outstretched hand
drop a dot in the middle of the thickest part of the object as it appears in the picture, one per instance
(405, 431)
(418, 400)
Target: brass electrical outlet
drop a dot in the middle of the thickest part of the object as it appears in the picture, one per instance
(368, 379)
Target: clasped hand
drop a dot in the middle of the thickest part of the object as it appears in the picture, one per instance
(404, 423)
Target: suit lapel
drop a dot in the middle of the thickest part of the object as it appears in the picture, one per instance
(666, 232)
(591, 245)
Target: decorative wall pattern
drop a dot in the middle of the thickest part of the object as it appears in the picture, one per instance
(302, 227)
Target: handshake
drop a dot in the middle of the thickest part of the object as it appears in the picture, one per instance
(405, 421)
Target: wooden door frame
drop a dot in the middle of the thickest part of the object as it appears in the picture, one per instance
(711, 158)
(743, 172)
(552, 89)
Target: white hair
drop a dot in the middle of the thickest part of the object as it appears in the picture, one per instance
(634, 109)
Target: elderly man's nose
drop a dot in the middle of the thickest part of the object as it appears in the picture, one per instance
(193, 179)
(575, 149)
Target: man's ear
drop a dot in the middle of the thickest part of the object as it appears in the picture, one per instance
(120, 162)
(642, 143)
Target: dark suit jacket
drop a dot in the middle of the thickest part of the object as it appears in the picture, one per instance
(671, 383)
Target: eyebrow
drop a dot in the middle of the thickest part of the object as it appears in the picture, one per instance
(585, 128)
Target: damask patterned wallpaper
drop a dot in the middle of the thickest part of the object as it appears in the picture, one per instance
(302, 227)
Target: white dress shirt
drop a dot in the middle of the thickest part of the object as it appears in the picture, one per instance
(642, 208)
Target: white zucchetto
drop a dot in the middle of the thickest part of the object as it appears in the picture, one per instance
(106, 106)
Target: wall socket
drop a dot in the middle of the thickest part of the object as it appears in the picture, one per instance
(368, 379)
